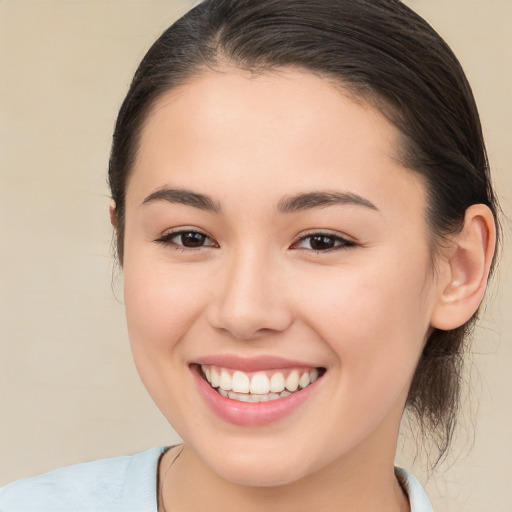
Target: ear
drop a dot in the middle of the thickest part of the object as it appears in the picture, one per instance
(465, 269)
(113, 214)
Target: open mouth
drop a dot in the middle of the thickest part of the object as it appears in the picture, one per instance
(261, 386)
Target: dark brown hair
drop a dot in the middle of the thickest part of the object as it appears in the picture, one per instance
(381, 52)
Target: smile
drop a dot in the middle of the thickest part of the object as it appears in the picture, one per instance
(261, 386)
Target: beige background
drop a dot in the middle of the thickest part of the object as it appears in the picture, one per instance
(68, 389)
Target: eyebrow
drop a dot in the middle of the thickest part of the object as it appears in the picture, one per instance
(299, 202)
(312, 200)
(183, 196)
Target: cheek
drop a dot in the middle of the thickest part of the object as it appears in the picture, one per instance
(375, 328)
(162, 301)
(374, 321)
(160, 308)
(159, 305)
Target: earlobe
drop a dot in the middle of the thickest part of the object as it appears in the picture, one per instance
(113, 214)
(465, 269)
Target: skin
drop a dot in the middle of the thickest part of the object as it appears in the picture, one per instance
(362, 310)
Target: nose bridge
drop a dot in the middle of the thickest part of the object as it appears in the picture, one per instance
(251, 300)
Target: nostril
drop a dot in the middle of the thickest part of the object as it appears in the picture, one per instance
(249, 303)
(252, 324)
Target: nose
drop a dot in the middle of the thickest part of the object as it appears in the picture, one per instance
(250, 301)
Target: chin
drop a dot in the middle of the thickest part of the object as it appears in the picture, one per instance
(250, 476)
(261, 466)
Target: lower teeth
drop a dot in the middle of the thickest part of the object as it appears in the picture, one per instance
(247, 397)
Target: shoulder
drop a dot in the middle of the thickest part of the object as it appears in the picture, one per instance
(417, 497)
(117, 484)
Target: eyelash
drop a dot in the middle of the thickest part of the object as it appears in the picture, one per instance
(167, 240)
(340, 243)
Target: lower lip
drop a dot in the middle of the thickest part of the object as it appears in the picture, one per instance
(247, 413)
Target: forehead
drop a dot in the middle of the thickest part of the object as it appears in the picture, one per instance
(288, 99)
(288, 127)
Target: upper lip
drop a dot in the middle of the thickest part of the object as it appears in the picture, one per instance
(252, 364)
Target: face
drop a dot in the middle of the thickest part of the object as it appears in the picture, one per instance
(278, 283)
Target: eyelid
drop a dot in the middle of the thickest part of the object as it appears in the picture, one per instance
(346, 241)
(343, 241)
(165, 238)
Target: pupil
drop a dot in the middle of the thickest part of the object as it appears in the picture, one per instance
(322, 242)
(192, 239)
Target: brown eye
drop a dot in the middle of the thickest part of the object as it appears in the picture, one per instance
(187, 239)
(192, 239)
(322, 242)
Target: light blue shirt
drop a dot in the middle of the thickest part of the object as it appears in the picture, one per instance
(120, 484)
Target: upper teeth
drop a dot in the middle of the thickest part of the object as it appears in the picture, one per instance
(259, 383)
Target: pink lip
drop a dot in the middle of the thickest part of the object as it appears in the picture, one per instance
(253, 364)
(250, 414)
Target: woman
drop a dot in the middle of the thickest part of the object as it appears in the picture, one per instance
(306, 225)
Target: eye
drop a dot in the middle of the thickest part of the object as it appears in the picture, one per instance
(186, 239)
(323, 242)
